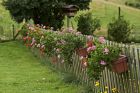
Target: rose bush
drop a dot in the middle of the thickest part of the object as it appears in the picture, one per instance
(61, 44)
(64, 44)
(101, 56)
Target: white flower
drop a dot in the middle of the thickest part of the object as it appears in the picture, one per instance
(81, 57)
(62, 61)
(59, 56)
(38, 45)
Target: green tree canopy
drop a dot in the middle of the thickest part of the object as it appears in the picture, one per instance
(46, 12)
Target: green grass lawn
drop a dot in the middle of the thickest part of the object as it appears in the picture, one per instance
(21, 72)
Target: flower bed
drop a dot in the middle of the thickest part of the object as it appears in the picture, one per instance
(94, 53)
(62, 44)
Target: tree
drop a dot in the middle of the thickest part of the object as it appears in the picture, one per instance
(46, 12)
(87, 24)
(119, 30)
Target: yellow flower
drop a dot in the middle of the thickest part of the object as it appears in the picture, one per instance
(114, 90)
(105, 92)
(97, 84)
(106, 87)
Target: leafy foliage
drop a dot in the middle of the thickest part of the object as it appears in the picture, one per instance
(119, 30)
(47, 12)
(87, 25)
(53, 43)
(69, 46)
(101, 57)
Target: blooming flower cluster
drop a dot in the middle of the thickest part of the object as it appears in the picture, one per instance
(98, 87)
(99, 56)
(62, 44)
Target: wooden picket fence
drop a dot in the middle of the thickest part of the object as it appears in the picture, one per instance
(128, 82)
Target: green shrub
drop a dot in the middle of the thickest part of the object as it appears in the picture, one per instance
(87, 25)
(119, 30)
(133, 4)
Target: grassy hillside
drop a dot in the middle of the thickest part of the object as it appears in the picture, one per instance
(118, 1)
(6, 22)
(123, 1)
(106, 11)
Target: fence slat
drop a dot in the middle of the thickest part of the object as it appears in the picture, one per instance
(128, 82)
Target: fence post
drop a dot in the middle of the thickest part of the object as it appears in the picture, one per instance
(13, 28)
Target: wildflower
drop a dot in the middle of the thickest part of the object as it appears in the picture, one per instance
(89, 38)
(106, 87)
(91, 48)
(59, 56)
(62, 61)
(103, 62)
(51, 28)
(33, 41)
(89, 43)
(78, 33)
(105, 92)
(88, 49)
(32, 28)
(29, 38)
(102, 40)
(43, 46)
(106, 51)
(114, 90)
(38, 45)
(57, 50)
(42, 49)
(85, 64)
(24, 39)
(81, 57)
(97, 84)
(42, 37)
(44, 27)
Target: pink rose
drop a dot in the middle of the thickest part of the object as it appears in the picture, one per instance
(103, 62)
(89, 38)
(106, 51)
(33, 41)
(85, 64)
(43, 46)
(91, 48)
(102, 40)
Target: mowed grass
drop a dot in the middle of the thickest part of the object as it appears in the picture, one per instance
(21, 72)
